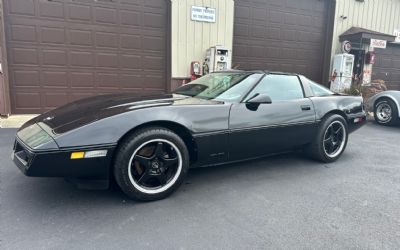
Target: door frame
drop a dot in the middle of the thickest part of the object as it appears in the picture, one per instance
(5, 106)
(274, 129)
(168, 49)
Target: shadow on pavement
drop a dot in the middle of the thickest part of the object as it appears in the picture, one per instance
(56, 190)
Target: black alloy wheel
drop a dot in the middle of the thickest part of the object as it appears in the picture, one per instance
(330, 140)
(151, 163)
(334, 138)
(154, 165)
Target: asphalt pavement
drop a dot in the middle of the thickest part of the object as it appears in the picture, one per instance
(283, 202)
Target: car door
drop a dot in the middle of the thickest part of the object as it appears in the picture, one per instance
(287, 122)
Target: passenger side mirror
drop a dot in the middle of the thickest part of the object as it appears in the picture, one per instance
(259, 99)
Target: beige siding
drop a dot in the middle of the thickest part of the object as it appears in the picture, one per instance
(378, 15)
(191, 39)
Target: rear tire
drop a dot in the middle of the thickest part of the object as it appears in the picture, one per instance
(386, 112)
(151, 164)
(330, 141)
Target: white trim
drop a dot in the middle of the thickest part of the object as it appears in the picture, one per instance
(339, 151)
(169, 184)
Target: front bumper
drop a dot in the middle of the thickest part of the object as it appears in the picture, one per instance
(58, 163)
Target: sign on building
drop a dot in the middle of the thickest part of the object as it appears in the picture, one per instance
(203, 14)
(380, 44)
(346, 46)
(397, 34)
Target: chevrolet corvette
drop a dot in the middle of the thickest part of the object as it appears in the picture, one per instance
(386, 107)
(148, 143)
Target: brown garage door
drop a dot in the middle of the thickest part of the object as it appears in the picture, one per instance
(387, 66)
(63, 50)
(281, 35)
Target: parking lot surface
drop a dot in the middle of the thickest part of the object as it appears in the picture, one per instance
(282, 202)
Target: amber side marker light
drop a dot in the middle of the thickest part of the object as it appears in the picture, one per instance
(77, 155)
(88, 154)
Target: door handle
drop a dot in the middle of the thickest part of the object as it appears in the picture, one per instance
(305, 107)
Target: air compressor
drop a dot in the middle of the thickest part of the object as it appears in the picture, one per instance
(218, 58)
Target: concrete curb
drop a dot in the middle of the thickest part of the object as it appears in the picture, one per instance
(14, 121)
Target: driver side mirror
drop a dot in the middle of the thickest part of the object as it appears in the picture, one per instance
(259, 99)
(254, 102)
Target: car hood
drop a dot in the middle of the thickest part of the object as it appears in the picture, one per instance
(88, 110)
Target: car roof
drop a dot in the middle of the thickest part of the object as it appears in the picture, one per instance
(258, 71)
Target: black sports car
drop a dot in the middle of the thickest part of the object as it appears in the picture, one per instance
(148, 143)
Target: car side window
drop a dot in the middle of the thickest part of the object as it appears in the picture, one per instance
(319, 90)
(279, 87)
(237, 91)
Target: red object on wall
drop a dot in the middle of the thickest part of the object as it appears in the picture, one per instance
(195, 70)
(370, 57)
(334, 75)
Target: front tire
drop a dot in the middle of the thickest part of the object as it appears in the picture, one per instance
(151, 164)
(386, 112)
(330, 141)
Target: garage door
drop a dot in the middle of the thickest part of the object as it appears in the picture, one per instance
(387, 66)
(281, 35)
(63, 50)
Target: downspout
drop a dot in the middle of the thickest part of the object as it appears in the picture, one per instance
(328, 42)
(5, 107)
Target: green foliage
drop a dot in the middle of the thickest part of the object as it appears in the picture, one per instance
(355, 90)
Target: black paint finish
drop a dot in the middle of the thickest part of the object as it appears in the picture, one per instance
(221, 131)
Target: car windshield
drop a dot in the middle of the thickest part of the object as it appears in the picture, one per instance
(224, 86)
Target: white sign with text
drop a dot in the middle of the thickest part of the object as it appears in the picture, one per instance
(380, 44)
(203, 14)
(397, 34)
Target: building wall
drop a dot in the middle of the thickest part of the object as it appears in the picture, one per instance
(377, 15)
(289, 36)
(61, 51)
(190, 39)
